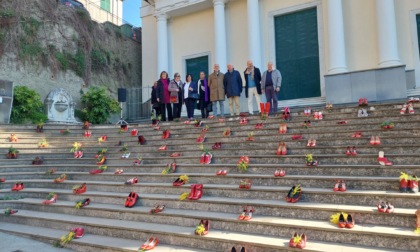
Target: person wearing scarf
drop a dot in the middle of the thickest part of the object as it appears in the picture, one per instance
(252, 85)
(204, 94)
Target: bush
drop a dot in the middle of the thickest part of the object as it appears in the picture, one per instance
(27, 106)
(98, 59)
(97, 106)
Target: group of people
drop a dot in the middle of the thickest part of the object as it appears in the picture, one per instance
(209, 94)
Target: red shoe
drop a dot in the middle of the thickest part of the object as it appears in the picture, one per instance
(316, 116)
(382, 207)
(410, 108)
(377, 140)
(372, 140)
(278, 152)
(341, 221)
(297, 137)
(283, 149)
(354, 151)
(134, 132)
(20, 187)
(302, 243)
(217, 146)
(81, 189)
(357, 134)
(342, 187)
(224, 172)
(282, 173)
(15, 186)
(389, 207)
(292, 242)
(50, 201)
(131, 199)
(198, 192)
(383, 160)
(153, 244)
(413, 184)
(203, 158)
(192, 192)
(96, 171)
(248, 216)
(207, 158)
(132, 181)
(166, 134)
(163, 148)
(141, 140)
(219, 172)
(78, 232)
(2, 180)
(176, 154)
(348, 151)
(200, 139)
(336, 186)
(350, 221)
(277, 173)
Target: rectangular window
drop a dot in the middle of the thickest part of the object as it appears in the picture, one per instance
(196, 65)
(297, 54)
(106, 5)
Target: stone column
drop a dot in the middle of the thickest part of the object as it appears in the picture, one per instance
(337, 47)
(254, 41)
(162, 42)
(220, 53)
(387, 34)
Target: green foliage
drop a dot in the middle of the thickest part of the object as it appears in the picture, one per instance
(78, 64)
(7, 13)
(98, 105)
(99, 59)
(62, 58)
(30, 26)
(27, 106)
(29, 47)
(83, 14)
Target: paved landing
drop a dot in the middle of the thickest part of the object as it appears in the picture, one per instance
(11, 243)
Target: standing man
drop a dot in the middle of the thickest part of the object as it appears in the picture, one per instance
(233, 88)
(217, 90)
(252, 85)
(270, 85)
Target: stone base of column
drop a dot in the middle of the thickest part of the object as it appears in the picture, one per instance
(374, 84)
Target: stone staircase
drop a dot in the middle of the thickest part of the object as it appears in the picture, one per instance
(109, 226)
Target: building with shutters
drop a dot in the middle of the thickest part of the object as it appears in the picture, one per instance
(105, 10)
(327, 50)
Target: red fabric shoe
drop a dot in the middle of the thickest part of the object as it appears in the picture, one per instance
(341, 221)
(302, 243)
(382, 207)
(78, 232)
(131, 199)
(292, 242)
(15, 186)
(96, 171)
(2, 180)
(350, 221)
(192, 192)
(81, 189)
(198, 192)
(132, 181)
(50, 201)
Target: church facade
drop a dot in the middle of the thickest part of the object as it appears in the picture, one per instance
(327, 50)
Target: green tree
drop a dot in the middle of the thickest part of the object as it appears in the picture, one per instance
(98, 105)
(27, 106)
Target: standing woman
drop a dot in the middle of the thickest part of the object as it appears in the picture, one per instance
(174, 88)
(204, 95)
(190, 95)
(155, 103)
(162, 96)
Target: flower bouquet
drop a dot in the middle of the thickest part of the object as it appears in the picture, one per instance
(250, 136)
(170, 168)
(65, 239)
(82, 203)
(227, 132)
(77, 150)
(40, 127)
(50, 171)
(101, 159)
(12, 153)
(38, 161)
(182, 180)
(387, 125)
(102, 139)
(13, 138)
(51, 198)
(245, 184)
(310, 160)
(8, 211)
(61, 178)
(197, 123)
(43, 143)
(243, 163)
(65, 132)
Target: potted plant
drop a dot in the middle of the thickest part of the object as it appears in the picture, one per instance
(40, 127)
(43, 143)
(12, 153)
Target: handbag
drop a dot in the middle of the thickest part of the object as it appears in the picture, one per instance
(173, 99)
(194, 95)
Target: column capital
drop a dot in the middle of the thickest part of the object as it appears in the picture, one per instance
(162, 16)
(219, 2)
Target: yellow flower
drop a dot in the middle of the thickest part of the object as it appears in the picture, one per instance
(184, 178)
(184, 196)
(200, 229)
(335, 217)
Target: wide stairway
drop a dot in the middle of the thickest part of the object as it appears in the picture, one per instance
(110, 226)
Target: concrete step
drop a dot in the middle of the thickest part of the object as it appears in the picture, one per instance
(177, 235)
(352, 182)
(88, 242)
(310, 194)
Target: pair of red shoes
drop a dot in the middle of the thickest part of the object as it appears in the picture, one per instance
(151, 243)
(87, 133)
(217, 146)
(78, 154)
(375, 140)
(196, 191)
(80, 189)
(345, 222)
(247, 213)
(298, 241)
(385, 207)
(131, 199)
(351, 151)
(357, 134)
(283, 128)
(243, 121)
(297, 137)
(221, 173)
(259, 126)
(18, 187)
(279, 173)
(383, 160)
(141, 139)
(363, 102)
(166, 134)
(294, 194)
(206, 158)
(281, 149)
(318, 115)
(96, 171)
(245, 184)
(134, 132)
(340, 186)
(78, 232)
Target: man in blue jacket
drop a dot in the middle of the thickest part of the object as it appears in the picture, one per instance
(233, 88)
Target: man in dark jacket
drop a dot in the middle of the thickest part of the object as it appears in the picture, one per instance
(252, 85)
(232, 82)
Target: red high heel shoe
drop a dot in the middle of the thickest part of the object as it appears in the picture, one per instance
(377, 140)
(248, 216)
(336, 186)
(302, 243)
(278, 152)
(342, 187)
(297, 137)
(243, 214)
(292, 242)
(50, 201)
(150, 244)
(81, 189)
(276, 173)
(282, 173)
(198, 192)
(192, 192)
(219, 172)
(383, 160)
(224, 172)
(163, 148)
(283, 149)
(382, 207)
(132, 181)
(131, 199)
(350, 221)
(357, 134)
(2, 180)
(354, 151)
(348, 151)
